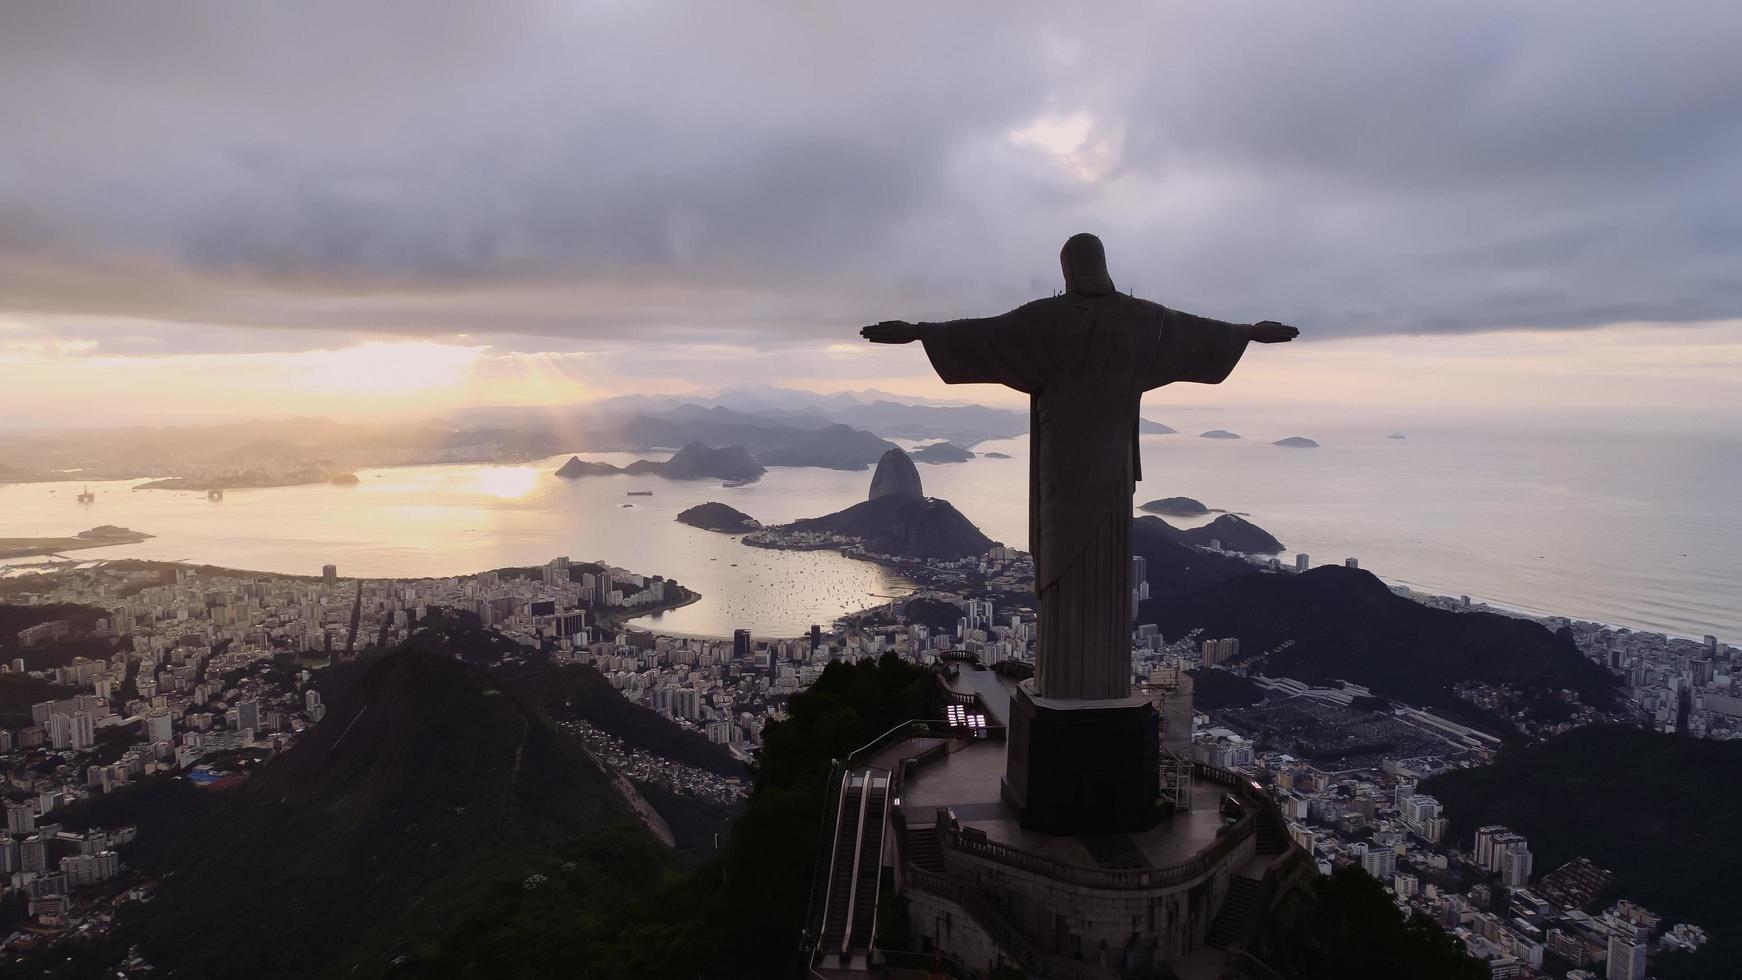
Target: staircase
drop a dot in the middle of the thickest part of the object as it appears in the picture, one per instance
(920, 847)
(855, 868)
(1235, 915)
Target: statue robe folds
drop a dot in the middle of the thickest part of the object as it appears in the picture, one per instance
(1085, 362)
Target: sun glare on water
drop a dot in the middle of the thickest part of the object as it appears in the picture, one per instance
(508, 482)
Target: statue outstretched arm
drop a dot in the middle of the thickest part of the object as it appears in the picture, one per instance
(1205, 350)
(1008, 349)
(891, 332)
(1270, 332)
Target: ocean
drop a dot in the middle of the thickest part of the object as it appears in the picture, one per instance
(1633, 530)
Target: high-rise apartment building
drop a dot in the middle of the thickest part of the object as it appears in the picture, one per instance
(1626, 959)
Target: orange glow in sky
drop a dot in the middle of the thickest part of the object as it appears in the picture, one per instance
(1633, 372)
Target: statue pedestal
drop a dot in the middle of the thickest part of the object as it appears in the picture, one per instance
(1082, 767)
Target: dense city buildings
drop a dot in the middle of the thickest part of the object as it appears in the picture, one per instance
(210, 673)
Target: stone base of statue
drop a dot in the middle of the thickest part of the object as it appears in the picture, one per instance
(1082, 767)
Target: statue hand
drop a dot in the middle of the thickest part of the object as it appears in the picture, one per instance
(891, 332)
(1271, 332)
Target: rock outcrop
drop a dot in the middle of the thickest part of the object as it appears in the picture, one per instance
(896, 476)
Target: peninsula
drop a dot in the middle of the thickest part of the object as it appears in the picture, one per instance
(1229, 532)
(246, 480)
(101, 536)
(895, 521)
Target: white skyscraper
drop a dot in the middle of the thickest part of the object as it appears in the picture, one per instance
(159, 726)
(1626, 959)
(1376, 860)
(84, 730)
(1515, 864)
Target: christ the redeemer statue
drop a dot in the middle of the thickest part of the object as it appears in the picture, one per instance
(1085, 358)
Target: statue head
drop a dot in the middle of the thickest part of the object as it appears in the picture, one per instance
(1085, 265)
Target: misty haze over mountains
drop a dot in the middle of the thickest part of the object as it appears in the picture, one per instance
(784, 427)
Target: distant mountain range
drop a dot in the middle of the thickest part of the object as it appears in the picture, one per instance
(780, 427)
(694, 461)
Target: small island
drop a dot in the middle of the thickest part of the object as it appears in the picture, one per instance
(714, 516)
(1218, 434)
(345, 480)
(1176, 507)
(101, 536)
(996, 455)
(1148, 428)
(1296, 442)
(942, 452)
(693, 462)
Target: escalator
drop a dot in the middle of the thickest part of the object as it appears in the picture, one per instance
(855, 870)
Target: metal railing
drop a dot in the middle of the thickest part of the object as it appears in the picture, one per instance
(1136, 878)
(912, 728)
(1006, 935)
(1014, 940)
(1116, 879)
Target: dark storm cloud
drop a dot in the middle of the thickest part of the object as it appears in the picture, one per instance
(773, 175)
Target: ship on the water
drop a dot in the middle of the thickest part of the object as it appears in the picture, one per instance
(87, 497)
(639, 493)
(1395, 434)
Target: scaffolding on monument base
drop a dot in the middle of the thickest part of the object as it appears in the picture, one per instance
(1170, 690)
(1176, 780)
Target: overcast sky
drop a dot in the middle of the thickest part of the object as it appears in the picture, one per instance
(577, 191)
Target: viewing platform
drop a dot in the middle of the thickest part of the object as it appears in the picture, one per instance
(980, 891)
